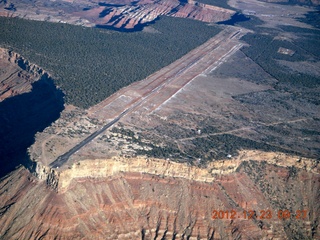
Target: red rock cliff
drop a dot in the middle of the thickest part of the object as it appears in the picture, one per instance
(129, 204)
(17, 74)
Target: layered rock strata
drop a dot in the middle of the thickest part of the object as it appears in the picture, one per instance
(17, 74)
(157, 199)
(119, 15)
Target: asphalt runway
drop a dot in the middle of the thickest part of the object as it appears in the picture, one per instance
(163, 78)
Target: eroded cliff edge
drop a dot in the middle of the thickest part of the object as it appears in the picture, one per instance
(29, 102)
(136, 198)
(17, 74)
(104, 168)
(156, 199)
(124, 15)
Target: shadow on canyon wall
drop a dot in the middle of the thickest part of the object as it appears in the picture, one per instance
(137, 28)
(22, 116)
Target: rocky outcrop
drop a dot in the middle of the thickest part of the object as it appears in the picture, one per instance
(104, 168)
(17, 74)
(29, 102)
(50, 176)
(142, 12)
(119, 15)
(147, 199)
(24, 64)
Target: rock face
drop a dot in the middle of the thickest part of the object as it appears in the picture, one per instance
(29, 102)
(119, 15)
(16, 75)
(138, 202)
(142, 12)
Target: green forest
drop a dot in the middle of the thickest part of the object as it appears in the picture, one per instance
(90, 64)
(264, 46)
(264, 51)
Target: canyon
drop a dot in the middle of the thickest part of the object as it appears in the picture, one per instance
(211, 146)
(17, 75)
(110, 193)
(150, 199)
(29, 102)
(122, 15)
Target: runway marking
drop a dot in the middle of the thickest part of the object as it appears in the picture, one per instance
(177, 69)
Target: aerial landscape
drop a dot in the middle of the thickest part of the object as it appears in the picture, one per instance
(160, 119)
